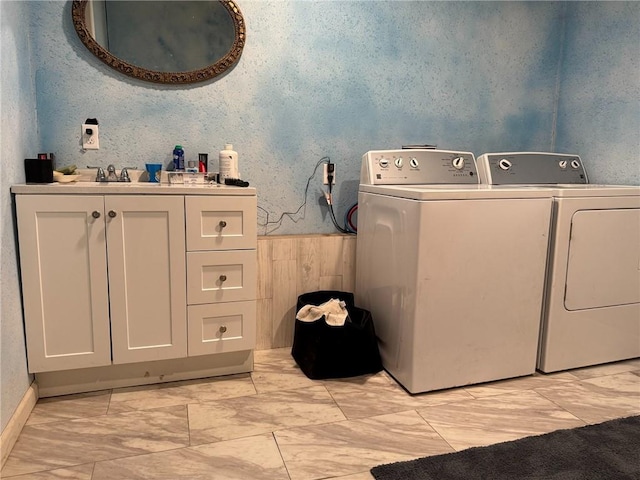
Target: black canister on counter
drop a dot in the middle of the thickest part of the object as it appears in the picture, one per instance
(38, 170)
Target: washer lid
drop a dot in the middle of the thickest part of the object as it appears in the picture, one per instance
(457, 192)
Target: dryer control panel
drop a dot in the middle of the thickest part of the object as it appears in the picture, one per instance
(530, 168)
(418, 167)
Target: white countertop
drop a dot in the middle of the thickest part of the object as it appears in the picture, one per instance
(87, 185)
(133, 188)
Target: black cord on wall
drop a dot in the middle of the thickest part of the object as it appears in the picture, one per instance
(293, 215)
(329, 197)
(303, 207)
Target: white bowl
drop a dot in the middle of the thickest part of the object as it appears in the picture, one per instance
(66, 178)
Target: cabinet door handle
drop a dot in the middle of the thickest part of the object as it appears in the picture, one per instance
(223, 278)
(222, 224)
(112, 213)
(95, 214)
(223, 328)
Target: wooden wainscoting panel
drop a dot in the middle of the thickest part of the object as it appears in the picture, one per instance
(310, 257)
(290, 265)
(265, 272)
(264, 326)
(331, 263)
(349, 264)
(284, 302)
(284, 248)
(331, 282)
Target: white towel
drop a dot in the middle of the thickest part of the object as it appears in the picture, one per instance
(334, 312)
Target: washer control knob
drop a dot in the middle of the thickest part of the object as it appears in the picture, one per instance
(575, 164)
(413, 161)
(504, 164)
(562, 164)
(398, 161)
(383, 162)
(458, 163)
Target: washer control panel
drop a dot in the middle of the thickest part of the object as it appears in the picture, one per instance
(531, 168)
(418, 167)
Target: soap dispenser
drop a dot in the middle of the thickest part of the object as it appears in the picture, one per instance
(228, 163)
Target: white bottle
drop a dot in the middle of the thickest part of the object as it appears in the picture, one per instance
(228, 163)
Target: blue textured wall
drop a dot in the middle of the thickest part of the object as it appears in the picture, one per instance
(18, 113)
(340, 78)
(599, 107)
(315, 79)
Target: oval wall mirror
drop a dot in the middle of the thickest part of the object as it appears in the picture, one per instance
(164, 41)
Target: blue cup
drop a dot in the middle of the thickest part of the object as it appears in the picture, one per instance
(154, 171)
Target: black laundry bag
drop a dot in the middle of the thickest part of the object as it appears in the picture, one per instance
(328, 351)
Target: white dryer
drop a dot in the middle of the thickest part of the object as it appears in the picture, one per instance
(452, 271)
(591, 313)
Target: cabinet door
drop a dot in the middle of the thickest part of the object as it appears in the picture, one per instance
(147, 277)
(64, 281)
(221, 222)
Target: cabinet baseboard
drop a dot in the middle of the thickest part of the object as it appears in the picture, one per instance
(51, 384)
(17, 422)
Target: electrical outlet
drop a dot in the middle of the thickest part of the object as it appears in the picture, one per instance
(329, 168)
(90, 140)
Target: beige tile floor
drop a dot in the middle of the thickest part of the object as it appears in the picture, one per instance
(277, 424)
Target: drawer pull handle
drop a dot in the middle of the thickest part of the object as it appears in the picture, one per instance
(222, 224)
(95, 214)
(112, 214)
(223, 278)
(223, 328)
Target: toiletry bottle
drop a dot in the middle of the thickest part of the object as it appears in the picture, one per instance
(203, 160)
(178, 158)
(191, 167)
(228, 163)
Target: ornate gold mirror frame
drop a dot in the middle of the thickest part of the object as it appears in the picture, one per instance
(78, 9)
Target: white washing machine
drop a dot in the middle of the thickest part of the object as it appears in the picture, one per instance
(452, 271)
(591, 312)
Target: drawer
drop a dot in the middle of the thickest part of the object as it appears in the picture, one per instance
(221, 327)
(228, 276)
(220, 222)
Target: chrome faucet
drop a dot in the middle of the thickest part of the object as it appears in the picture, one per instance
(111, 174)
(124, 175)
(100, 176)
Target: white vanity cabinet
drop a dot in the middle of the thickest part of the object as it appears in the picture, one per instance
(103, 279)
(135, 284)
(221, 273)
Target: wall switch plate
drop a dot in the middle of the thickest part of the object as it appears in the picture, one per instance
(90, 140)
(329, 167)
